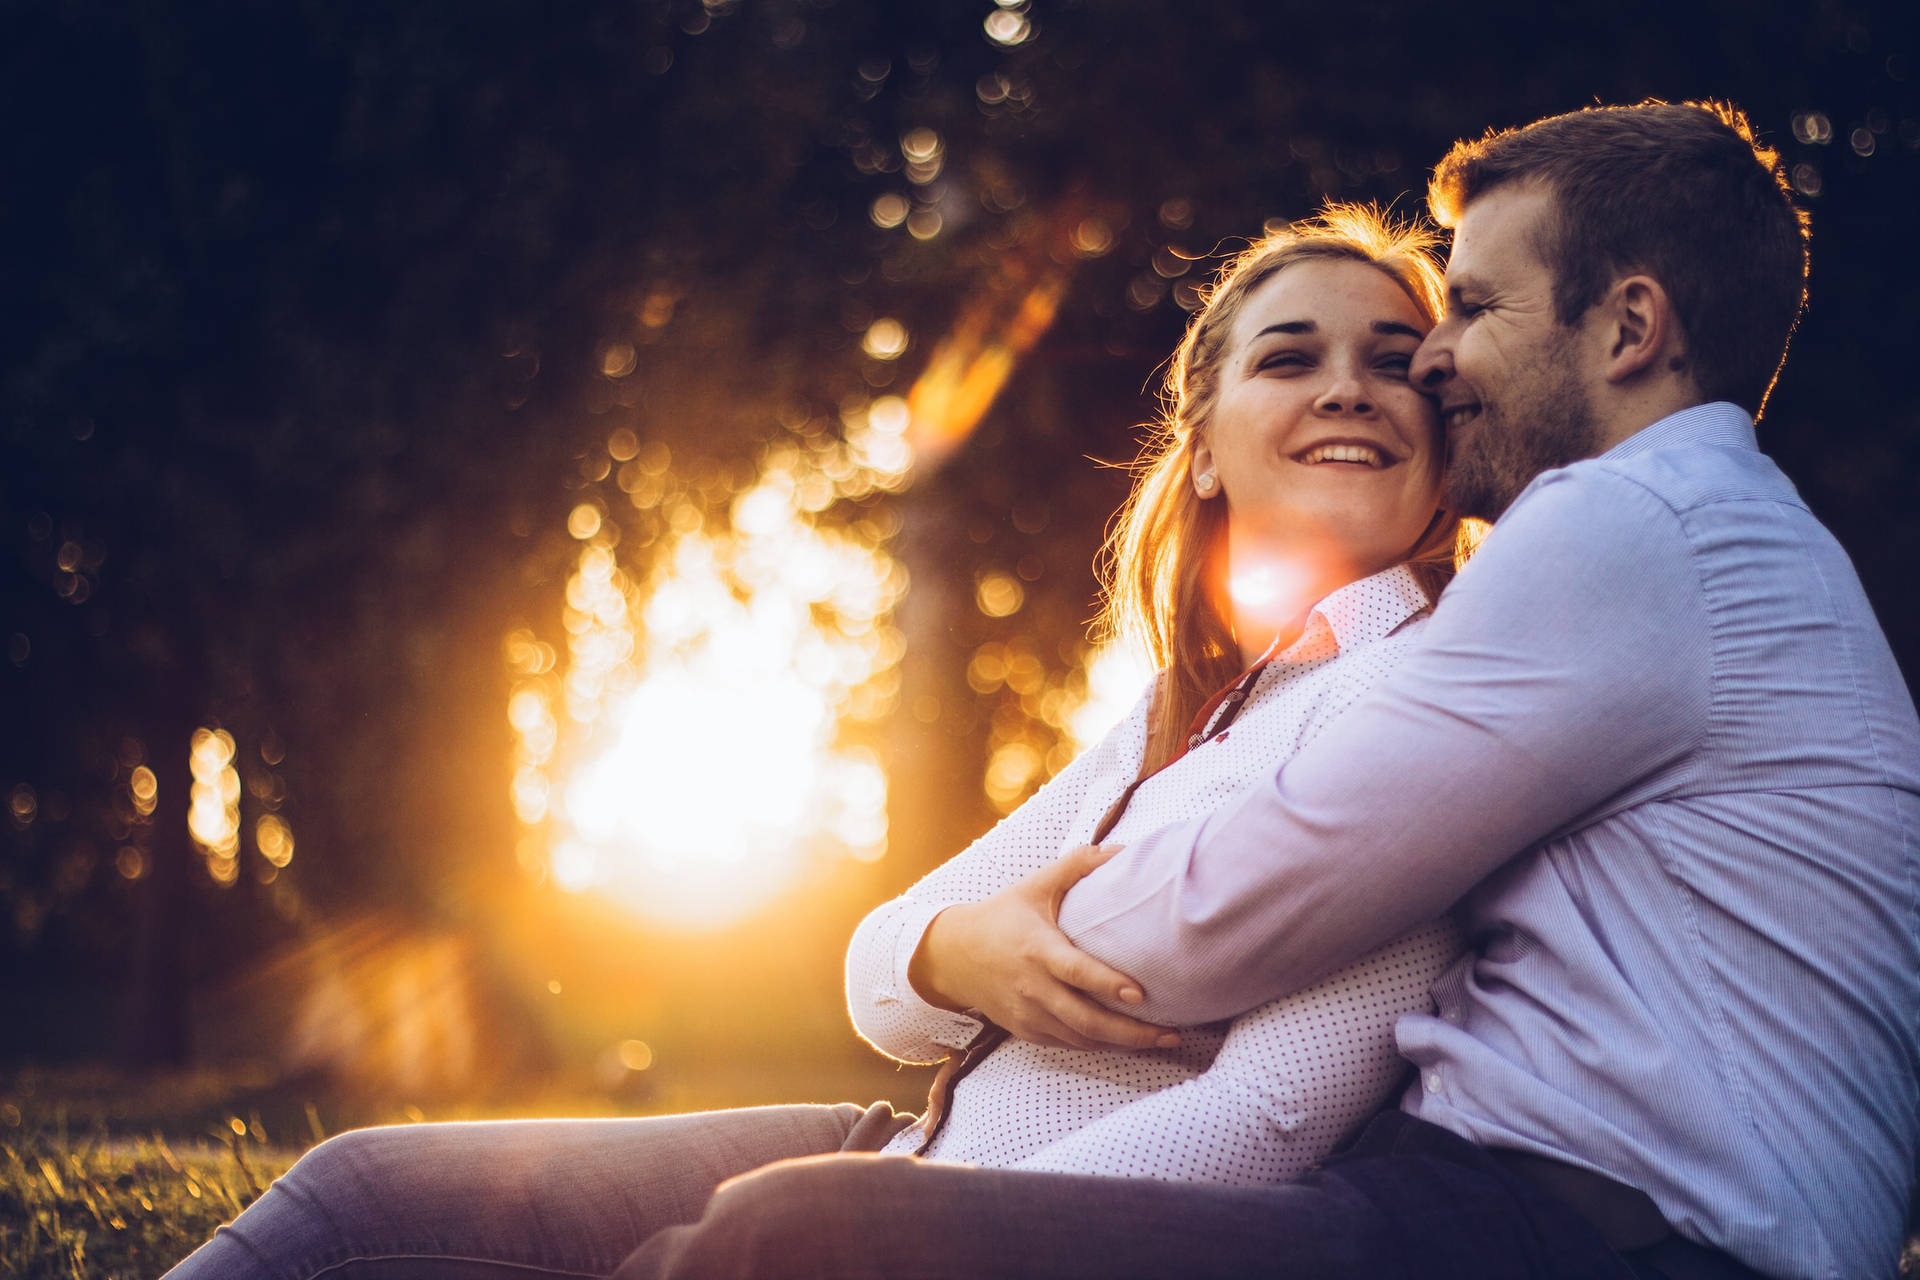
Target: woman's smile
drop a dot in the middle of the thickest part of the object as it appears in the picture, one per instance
(1362, 454)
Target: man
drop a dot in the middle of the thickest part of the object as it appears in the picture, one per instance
(1654, 748)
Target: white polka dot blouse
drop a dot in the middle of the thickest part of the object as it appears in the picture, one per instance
(1247, 1102)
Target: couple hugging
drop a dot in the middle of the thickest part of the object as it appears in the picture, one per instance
(1554, 919)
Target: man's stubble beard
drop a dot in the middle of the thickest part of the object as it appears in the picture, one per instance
(1546, 425)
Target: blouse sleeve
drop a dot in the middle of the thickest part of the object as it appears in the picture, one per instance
(886, 1011)
(1291, 1080)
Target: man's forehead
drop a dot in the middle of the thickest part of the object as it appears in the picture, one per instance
(1499, 230)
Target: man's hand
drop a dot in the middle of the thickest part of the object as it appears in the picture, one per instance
(1006, 958)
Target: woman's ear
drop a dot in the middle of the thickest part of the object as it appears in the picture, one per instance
(1206, 481)
(1639, 329)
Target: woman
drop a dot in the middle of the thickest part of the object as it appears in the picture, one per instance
(1296, 464)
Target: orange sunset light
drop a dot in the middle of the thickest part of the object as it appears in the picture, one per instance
(701, 734)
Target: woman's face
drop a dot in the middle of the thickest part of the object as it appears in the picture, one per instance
(1317, 442)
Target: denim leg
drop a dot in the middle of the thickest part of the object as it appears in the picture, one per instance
(1411, 1213)
(486, 1201)
(861, 1217)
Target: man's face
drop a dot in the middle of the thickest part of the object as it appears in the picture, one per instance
(1508, 376)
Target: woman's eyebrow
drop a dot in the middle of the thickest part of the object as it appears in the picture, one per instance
(1307, 326)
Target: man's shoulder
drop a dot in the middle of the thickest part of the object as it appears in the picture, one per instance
(1622, 501)
(1699, 456)
(1686, 476)
(1595, 504)
(1652, 525)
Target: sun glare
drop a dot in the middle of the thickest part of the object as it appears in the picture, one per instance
(701, 736)
(1117, 674)
(701, 745)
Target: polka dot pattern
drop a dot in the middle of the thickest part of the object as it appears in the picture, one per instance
(1249, 1102)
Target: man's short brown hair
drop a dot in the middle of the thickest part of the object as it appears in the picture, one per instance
(1683, 192)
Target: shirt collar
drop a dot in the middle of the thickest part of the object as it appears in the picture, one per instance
(1718, 423)
(1357, 615)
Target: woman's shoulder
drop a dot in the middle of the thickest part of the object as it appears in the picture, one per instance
(1129, 732)
(1111, 743)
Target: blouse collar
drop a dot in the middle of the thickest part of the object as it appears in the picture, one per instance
(1357, 615)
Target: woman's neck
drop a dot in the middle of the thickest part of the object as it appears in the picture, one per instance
(1280, 564)
(1270, 596)
(1256, 636)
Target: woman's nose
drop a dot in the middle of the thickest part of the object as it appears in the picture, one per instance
(1344, 395)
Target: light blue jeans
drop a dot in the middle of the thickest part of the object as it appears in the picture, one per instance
(519, 1199)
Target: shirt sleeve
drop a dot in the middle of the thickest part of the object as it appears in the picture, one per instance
(886, 1010)
(1292, 1078)
(1564, 675)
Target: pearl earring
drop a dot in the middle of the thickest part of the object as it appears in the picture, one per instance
(1205, 483)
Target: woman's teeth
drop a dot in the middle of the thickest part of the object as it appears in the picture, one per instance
(1361, 453)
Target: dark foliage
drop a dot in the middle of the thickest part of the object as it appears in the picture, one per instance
(307, 306)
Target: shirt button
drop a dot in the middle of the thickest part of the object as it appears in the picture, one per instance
(1433, 1082)
(1453, 1016)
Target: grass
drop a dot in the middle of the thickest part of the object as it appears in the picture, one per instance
(102, 1178)
(108, 1208)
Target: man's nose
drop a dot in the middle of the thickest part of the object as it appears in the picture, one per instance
(1433, 362)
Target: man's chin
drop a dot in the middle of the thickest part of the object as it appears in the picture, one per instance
(1472, 491)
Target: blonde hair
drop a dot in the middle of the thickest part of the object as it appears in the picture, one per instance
(1162, 568)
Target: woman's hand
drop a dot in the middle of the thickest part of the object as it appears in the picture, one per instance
(1006, 958)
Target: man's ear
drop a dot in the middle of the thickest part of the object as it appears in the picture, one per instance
(1639, 330)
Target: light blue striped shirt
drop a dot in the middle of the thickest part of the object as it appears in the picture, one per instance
(1655, 746)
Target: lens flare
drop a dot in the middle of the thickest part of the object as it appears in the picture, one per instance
(966, 371)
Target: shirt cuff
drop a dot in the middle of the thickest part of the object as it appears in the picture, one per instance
(943, 1027)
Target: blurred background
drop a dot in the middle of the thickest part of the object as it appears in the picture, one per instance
(519, 524)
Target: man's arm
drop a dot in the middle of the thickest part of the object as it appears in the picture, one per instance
(1565, 675)
(1292, 1078)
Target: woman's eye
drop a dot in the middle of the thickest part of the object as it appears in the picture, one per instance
(1285, 360)
(1395, 366)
